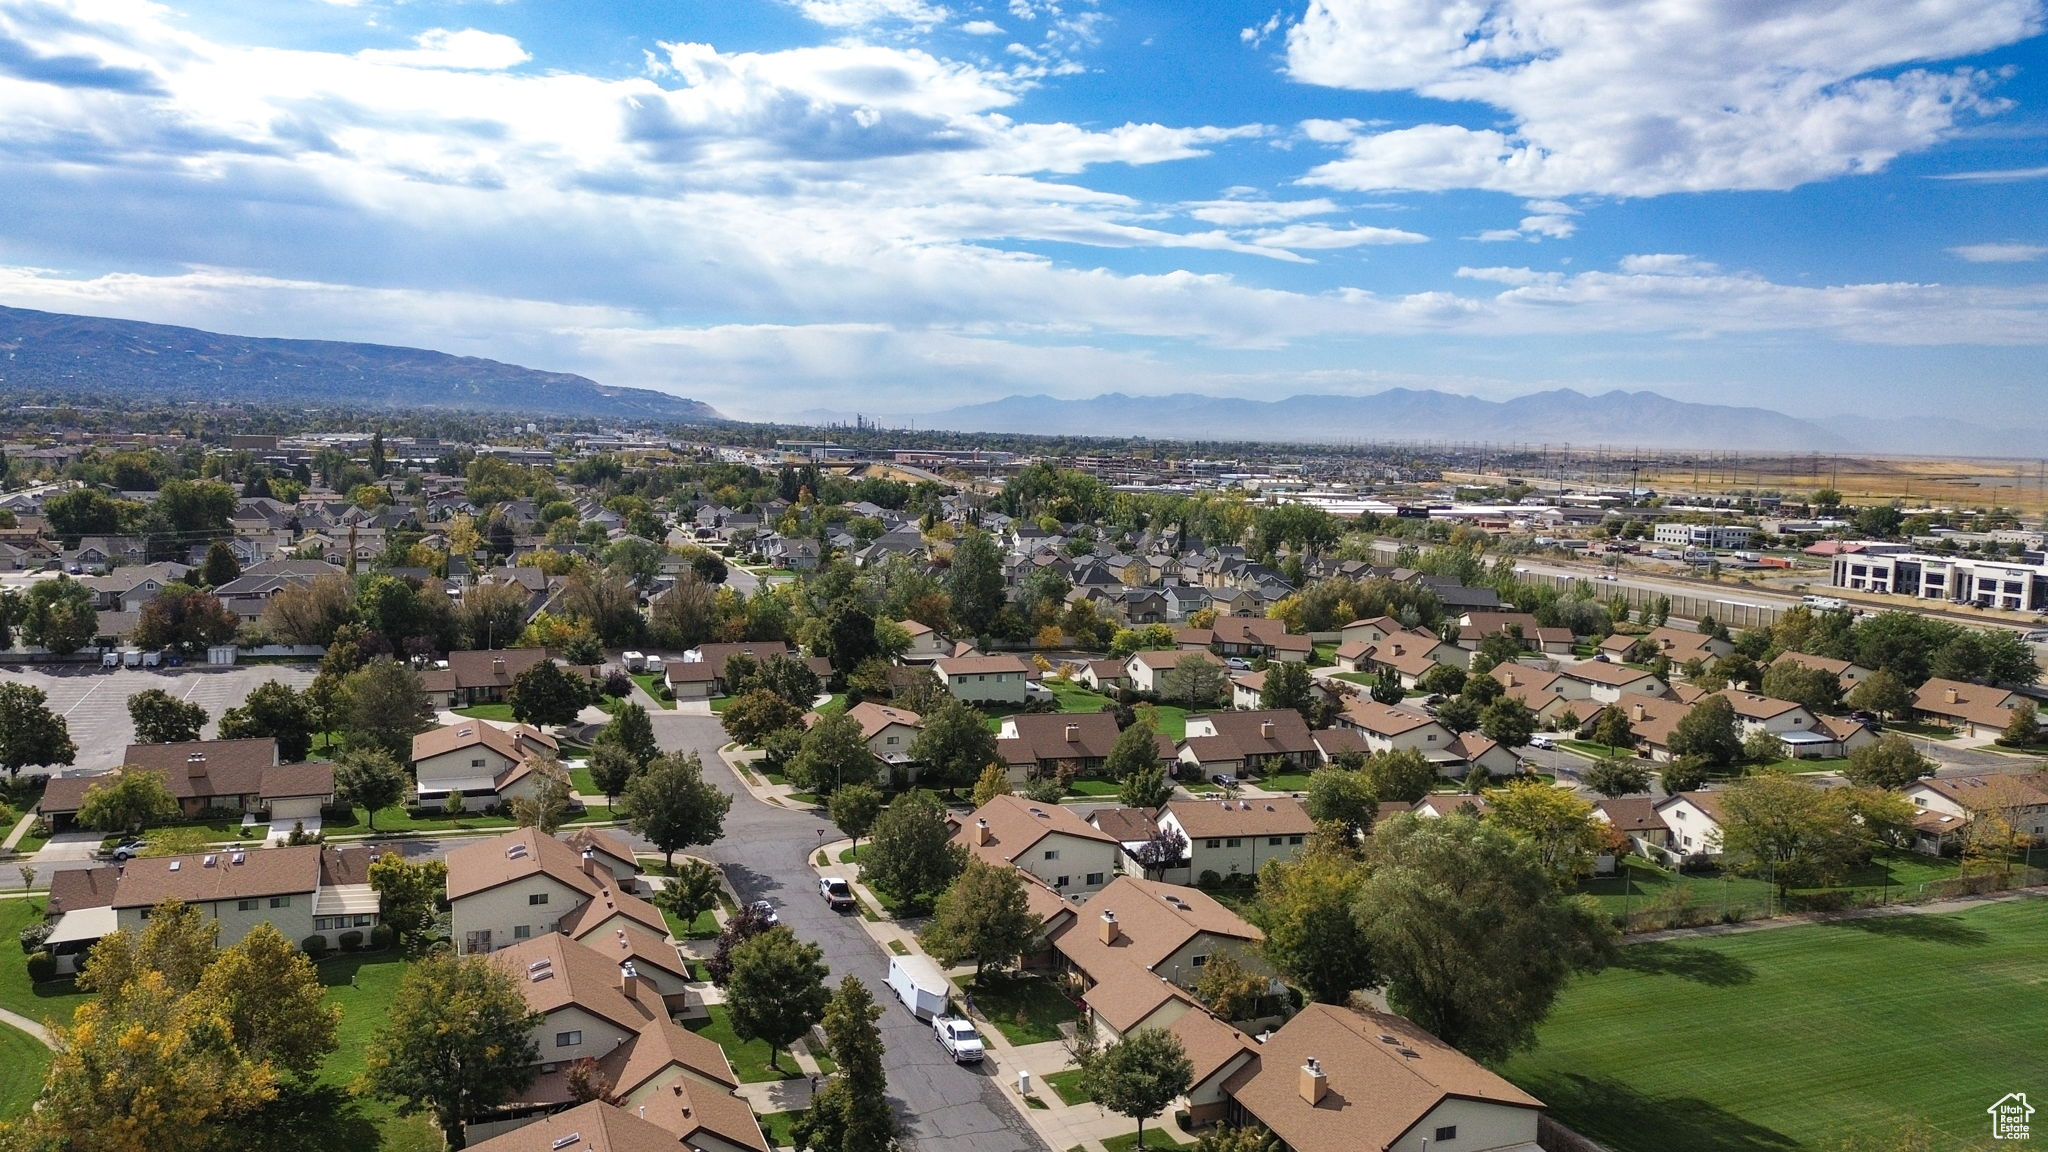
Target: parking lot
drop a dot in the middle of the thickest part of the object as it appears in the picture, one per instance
(94, 701)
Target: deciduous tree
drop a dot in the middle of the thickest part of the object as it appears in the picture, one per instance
(1343, 797)
(1401, 774)
(382, 705)
(1139, 1075)
(1617, 776)
(612, 769)
(275, 709)
(265, 988)
(161, 718)
(408, 891)
(757, 712)
(1789, 832)
(691, 891)
(851, 1113)
(994, 781)
(983, 916)
(58, 615)
(1471, 933)
(1711, 731)
(547, 694)
(672, 805)
(854, 808)
(833, 753)
(1136, 750)
(954, 745)
(1304, 906)
(1231, 990)
(458, 1038)
(368, 778)
(1555, 824)
(1508, 723)
(129, 801)
(550, 801)
(1146, 787)
(776, 990)
(184, 619)
(912, 857)
(633, 732)
(1194, 682)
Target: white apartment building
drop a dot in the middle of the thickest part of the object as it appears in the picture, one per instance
(1703, 535)
(1961, 579)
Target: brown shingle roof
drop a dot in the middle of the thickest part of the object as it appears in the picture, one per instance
(495, 668)
(873, 717)
(1063, 735)
(234, 875)
(513, 744)
(555, 972)
(596, 1126)
(1376, 1092)
(1015, 824)
(1263, 732)
(980, 665)
(1154, 921)
(1125, 824)
(1275, 816)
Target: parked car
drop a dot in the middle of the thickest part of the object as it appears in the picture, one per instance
(837, 892)
(1540, 740)
(1865, 715)
(959, 1039)
(1238, 664)
(1224, 780)
(764, 910)
(129, 849)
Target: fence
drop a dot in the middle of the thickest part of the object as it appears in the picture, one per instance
(1728, 899)
(1552, 1136)
(1730, 608)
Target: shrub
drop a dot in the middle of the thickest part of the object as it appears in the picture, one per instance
(666, 693)
(315, 946)
(351, 941)
(1210, 878)
(383, 936)
(41, 967)
(32, 937)
(617, 684)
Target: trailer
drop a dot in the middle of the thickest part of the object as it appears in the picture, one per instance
(919, 984)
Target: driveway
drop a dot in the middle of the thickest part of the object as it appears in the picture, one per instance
(765, 854)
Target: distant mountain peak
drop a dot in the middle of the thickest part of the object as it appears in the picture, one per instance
(79, 355)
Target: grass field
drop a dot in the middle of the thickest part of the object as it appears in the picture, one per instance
(1801, 1038)
(749, 1057)
(501, 712)
(23, 1060)
(1642, 885)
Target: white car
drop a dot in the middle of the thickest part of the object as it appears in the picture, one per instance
(959, 1039)
(766, 911)
(1541, 741)
(837, 892)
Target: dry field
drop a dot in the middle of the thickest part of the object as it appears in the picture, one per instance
(1918, 481)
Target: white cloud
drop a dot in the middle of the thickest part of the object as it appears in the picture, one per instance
(467, 48)
(1321, 236)
(1666, 264)
(2000, 253)
(982, 28)
(1241, 212)
(1997, 175)
(860, 13)
(1655, 97)
(1512, 277)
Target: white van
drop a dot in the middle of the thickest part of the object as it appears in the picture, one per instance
(635, 661)
(919, 984)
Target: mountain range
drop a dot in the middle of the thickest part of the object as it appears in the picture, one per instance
(81, 355)
(1563, 416)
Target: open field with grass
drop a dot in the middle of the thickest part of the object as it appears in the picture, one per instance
(23, 1061)
(749, 1057)
(1640, 887)
(1796, 1039)
(1966, 483)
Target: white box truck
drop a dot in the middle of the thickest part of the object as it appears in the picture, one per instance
(919, 984)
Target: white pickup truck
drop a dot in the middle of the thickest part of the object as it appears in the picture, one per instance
(959, 1039)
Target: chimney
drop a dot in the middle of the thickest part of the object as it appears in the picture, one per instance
(1511, 680)
(1313, 1082)
(1110, 932)
(629, 980)
(1949, 694)
(1073, 733)
(1635, 712)
(1266, 729)
(590, 861)
(497, 665)
(980, 833)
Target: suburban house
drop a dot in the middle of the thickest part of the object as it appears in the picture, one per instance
(1390, 727)
(1652, 719)
(1850, 675)
(1247, 637)
(1694, 820)
(478, 677)
(1546, 693)
(1035, 745)
(1339, 1079)
(1102, 675)
(1972, 709)
(1605, 683)
(1636, 818)
(926, 645)
(1678, 646)
(665, 1087)
(1474, 750)
(1130, 827)
(250, 593)
(1049, 841)
(1950, 804)
(887, 732)
(1262, 741)
(1163, 932)
(985, 679)
(305, 890)
(129, 589)
(232, 775)
(1147, 670)
(525, 884)
(482, 762)
(700, 674)
(1236, 837)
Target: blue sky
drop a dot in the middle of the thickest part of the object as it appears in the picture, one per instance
(778, 206)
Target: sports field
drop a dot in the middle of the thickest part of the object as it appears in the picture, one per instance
(1804, 1038)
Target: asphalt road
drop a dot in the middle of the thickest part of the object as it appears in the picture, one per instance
(765, 853)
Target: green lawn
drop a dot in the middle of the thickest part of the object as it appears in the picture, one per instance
(1591, 749)
(54, 1001)
(1285, 782)
(1643, 886)
(23, 1061)
(749, 1057)
(579, 778)
(1067, 1086)
(1096, 788)
(653, 684)
(704, 927)
(777, 1127)
(1155, 1140)
(1914, 728)
(1025, 1009)
(1800, 1038)
(1069, 696)
(1171, 720)
(499, 712)
(397, 819)
(720, 703)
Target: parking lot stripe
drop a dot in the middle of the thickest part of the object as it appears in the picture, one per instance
(88, 695)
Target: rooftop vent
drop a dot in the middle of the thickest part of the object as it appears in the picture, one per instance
(1386, 1039)
(539, 965)
(565, 1141)
(1040, 813)
(175, 864)
(196, 758)
(514, 851)
(1410, 1053)
(209, 861)
(237, 856)
(465, 731)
